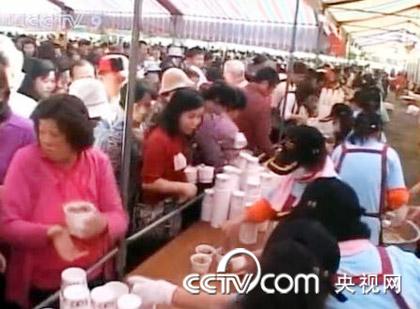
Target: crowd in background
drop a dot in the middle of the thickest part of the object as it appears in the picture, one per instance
(62, 119)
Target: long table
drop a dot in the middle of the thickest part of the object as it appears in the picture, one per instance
(172, 262)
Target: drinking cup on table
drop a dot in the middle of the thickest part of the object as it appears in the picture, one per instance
(129, 301)
(76, 297)
(191, 174)
(103, 297)
(118, 288)
(73, 276)
(200, 263)
(205, 174)
(206, 249)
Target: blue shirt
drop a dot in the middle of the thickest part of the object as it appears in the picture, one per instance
(367, 261)
(363, 172)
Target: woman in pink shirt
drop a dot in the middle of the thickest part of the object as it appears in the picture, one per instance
(61, 168)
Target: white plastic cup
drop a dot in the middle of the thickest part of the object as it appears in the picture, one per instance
(118, 288)
(236, 204)
(263, 227)
(241, 161)
(206, 249)
(103, 297)
(235, 174)
(221, 201)
(223, 182)
(200, 263)
(76, 297)
(207, 205)
(73, 276)
(253, 186)
(191, 174)
(76, 214)
(205, 174)
(248, 232)
(129, 301)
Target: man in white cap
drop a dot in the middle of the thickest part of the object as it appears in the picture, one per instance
(20, 104)
(234, 73)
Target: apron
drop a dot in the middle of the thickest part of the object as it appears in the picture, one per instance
(383, 153)
(387, 269)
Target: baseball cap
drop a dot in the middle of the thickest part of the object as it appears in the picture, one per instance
(93, 94)
(176, 51)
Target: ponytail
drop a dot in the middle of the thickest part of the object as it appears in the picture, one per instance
(365, 125)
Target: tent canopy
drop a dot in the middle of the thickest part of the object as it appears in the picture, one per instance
(363, 19)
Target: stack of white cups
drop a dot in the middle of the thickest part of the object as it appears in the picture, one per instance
(235, 174)
(70, 277)
(207, 205)
(248, 232)
(221, 200)
(236, 204)
(103, 297)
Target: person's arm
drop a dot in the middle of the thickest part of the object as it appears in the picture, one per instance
(413, 191)
(110, 204)
(397, 193)
(16, 208)
(262, 126)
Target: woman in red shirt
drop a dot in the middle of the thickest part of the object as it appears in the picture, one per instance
(166, 149)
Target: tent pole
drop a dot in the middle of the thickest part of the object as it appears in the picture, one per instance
(318, 39)
(289, 67)
(127, 139)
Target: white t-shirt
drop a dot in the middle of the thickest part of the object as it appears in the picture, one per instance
(21, 104)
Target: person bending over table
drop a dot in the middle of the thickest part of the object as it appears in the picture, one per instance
(166, 149)
(296, 247)
(61, 168)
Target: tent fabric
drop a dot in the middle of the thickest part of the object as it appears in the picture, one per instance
(367, 21)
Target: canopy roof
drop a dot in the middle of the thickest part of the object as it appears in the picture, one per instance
(368, 20)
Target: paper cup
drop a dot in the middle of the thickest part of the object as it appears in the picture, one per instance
(205, 174)
(73, 276)
(207, 206)
(191, 174)
(223, 182)
(206, 249)
(103, 297)
(118, 288)
(129, 301)
(76, 297)
(253, 186)
(200, 263)
(236, 204)
(77, 213)
(221, 203)
(235, 174)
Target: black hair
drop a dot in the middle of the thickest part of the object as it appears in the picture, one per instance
(192, 52)
(223, 94)
(46, 50)
(366, 124)
(183, 100)
(267, 74)
(71, 116)
(142, 88)
(213, 74)
(335, 205)
(368, 99)
(299, 246)
(141, 42)
(300, 68)
(35, 68)
(310, 148)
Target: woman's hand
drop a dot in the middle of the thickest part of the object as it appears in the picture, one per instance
(186, 192)
(63, 244)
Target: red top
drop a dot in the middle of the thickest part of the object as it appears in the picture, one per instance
(255, 120)
(160, 150)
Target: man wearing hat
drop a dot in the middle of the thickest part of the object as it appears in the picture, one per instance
(113, 72)
(174, 59)
(303, 159)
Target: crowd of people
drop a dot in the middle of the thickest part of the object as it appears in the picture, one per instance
(62, 119)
